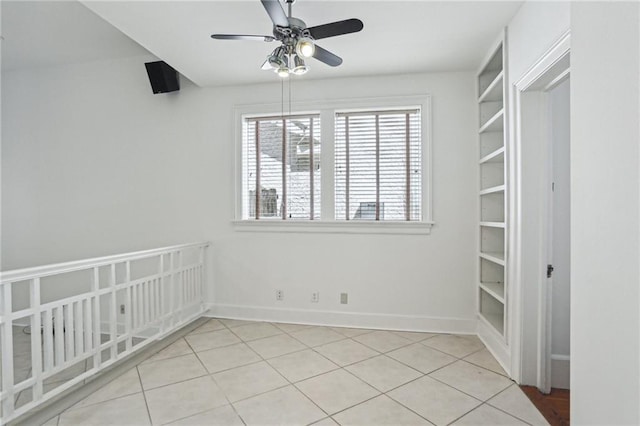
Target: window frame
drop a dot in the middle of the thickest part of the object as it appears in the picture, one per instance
(328, 110)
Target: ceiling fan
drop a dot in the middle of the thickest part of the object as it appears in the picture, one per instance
(297, 40)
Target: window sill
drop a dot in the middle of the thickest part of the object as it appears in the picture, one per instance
(339, 227)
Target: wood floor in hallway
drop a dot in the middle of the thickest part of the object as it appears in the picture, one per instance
(554, 406)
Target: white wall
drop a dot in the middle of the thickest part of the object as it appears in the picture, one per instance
(605, 213)
(532, 31)
(94, 163)
(389, 276)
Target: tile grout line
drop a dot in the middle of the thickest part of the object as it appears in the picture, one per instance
(144, 396)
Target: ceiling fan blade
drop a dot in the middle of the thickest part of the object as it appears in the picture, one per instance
(267, 65)
(276, 12)
(242, 37)
(327, 57)
(336, 28)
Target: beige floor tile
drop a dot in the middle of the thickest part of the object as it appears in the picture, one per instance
(211, 325)
(256, 331)
(271, 347)
(484, 359)
(51, 422)
(485, 415)
(284, 406)
(336, 390)
(316, 336)
(126, 384)
(248, 381)
(458, 346)
(421, 357)
(345, 352)
(380, 410)
(172, 370)
(515, 402)
(383, 373)
(382, 341)
(211, 340)
(128, 410)
(302, 365)
(220, 359)
(178, 348)
(235, 323)
(435, 401)
(184, 399)
(471, 379)
(222, 416)
(351, 332)
(414, 336)
(291, 328)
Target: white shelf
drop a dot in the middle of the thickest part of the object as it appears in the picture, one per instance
(493, 224)
(492, 190)
(493, 256)
(494, 124)
(494, 90)
(496, 156)
(495, 290)
(494, 320)
(492, 103)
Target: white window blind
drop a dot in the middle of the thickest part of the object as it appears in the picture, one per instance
(281, 167)
(378, 165)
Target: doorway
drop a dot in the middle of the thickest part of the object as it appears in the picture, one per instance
(540, 218)
(559, 253)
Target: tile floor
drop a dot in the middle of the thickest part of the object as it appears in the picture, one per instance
(230, 372)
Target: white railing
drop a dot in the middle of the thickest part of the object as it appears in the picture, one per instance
(90, 314)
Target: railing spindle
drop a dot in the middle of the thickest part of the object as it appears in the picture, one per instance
(47, 334)
(97, 326)
(113, 316)
(36, 339)
(6, 334)
(79, 328)
(58, 334)
(88, 328)
(68, 331)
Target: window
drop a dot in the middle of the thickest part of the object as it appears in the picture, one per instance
(378, 168)
(375, 154)
(281, 167)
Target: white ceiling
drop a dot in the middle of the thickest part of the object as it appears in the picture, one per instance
(50, 33)
(398, 36)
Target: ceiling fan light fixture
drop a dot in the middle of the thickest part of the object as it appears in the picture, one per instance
(283, 72)
(277, 58)
(300, 67)
(305, 47)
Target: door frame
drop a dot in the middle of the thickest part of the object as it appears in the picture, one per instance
(530, 303)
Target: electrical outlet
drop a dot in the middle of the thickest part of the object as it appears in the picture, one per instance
(122, 309)
(279, 295)
(344, 298)
(315, 297)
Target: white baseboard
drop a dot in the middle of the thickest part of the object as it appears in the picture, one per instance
(560, 376)
(344, 319)
(495, 345)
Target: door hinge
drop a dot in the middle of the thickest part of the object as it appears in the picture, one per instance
(549, 271)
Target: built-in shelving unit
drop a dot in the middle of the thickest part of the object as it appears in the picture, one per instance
(492, 251)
